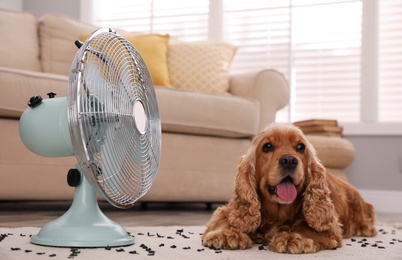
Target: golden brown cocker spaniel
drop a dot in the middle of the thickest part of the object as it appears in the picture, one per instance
(284, 197)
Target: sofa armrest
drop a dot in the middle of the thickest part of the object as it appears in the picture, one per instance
(269, 87)
(17, 86)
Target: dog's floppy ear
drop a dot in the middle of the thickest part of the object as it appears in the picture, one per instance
(318, 208)
(245, 206)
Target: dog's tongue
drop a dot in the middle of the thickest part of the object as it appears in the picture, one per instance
(286, 191)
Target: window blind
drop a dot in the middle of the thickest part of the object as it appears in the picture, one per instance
(390, 61)
(316, 44)
(182, 19)
(261, 29)
(326, 41)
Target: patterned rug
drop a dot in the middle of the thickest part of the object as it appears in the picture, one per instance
(185, 243)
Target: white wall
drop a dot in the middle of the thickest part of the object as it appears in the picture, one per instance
(69, 8)
(11, 4)
(377, 163)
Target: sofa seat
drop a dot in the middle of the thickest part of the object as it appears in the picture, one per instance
(26, 83)
(196, 113)
(201, 113)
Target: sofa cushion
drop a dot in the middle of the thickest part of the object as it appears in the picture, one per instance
(153, 49)
(57, 36)
(17, 86)
(202, 66)
(198, 113)
(19, 46)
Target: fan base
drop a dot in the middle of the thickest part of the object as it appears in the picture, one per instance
(60, 234)
(83, 225)
(73, 241)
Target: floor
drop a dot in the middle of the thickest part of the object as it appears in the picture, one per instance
(37, 214)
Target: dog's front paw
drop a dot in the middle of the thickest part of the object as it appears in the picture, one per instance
(292, 243)
(226, 239)
(365, 230)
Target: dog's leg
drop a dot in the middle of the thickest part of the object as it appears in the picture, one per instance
(303, 239)
(361, 222)
(226, 239)
(220, 235)
(293, 243)
(367, 227)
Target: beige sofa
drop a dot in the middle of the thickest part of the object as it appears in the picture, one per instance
(203, 134)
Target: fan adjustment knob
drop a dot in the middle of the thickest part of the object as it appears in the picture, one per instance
(51, 94)
(35, 101)
(73, 177)
(78, 43)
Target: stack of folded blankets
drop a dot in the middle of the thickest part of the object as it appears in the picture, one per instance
(324, 127)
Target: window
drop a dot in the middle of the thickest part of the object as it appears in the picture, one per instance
(342, 57)
(182, 19)
(316, 45)
(390, 61)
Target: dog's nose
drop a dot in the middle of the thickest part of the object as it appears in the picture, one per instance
(288, 162)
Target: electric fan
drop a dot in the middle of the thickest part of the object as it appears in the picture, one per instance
(110, 122)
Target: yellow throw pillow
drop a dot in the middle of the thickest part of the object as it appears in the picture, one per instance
(201, 66)
(153, 49)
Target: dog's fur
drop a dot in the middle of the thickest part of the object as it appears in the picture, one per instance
(324, 209)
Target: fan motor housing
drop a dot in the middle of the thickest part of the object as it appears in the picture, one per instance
(44, 128)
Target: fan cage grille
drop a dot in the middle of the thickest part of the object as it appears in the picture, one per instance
(108, 77)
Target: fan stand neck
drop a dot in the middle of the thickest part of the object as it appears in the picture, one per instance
(83, 225)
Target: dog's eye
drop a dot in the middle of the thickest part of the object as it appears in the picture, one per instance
(267, 147)
(300, 148)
